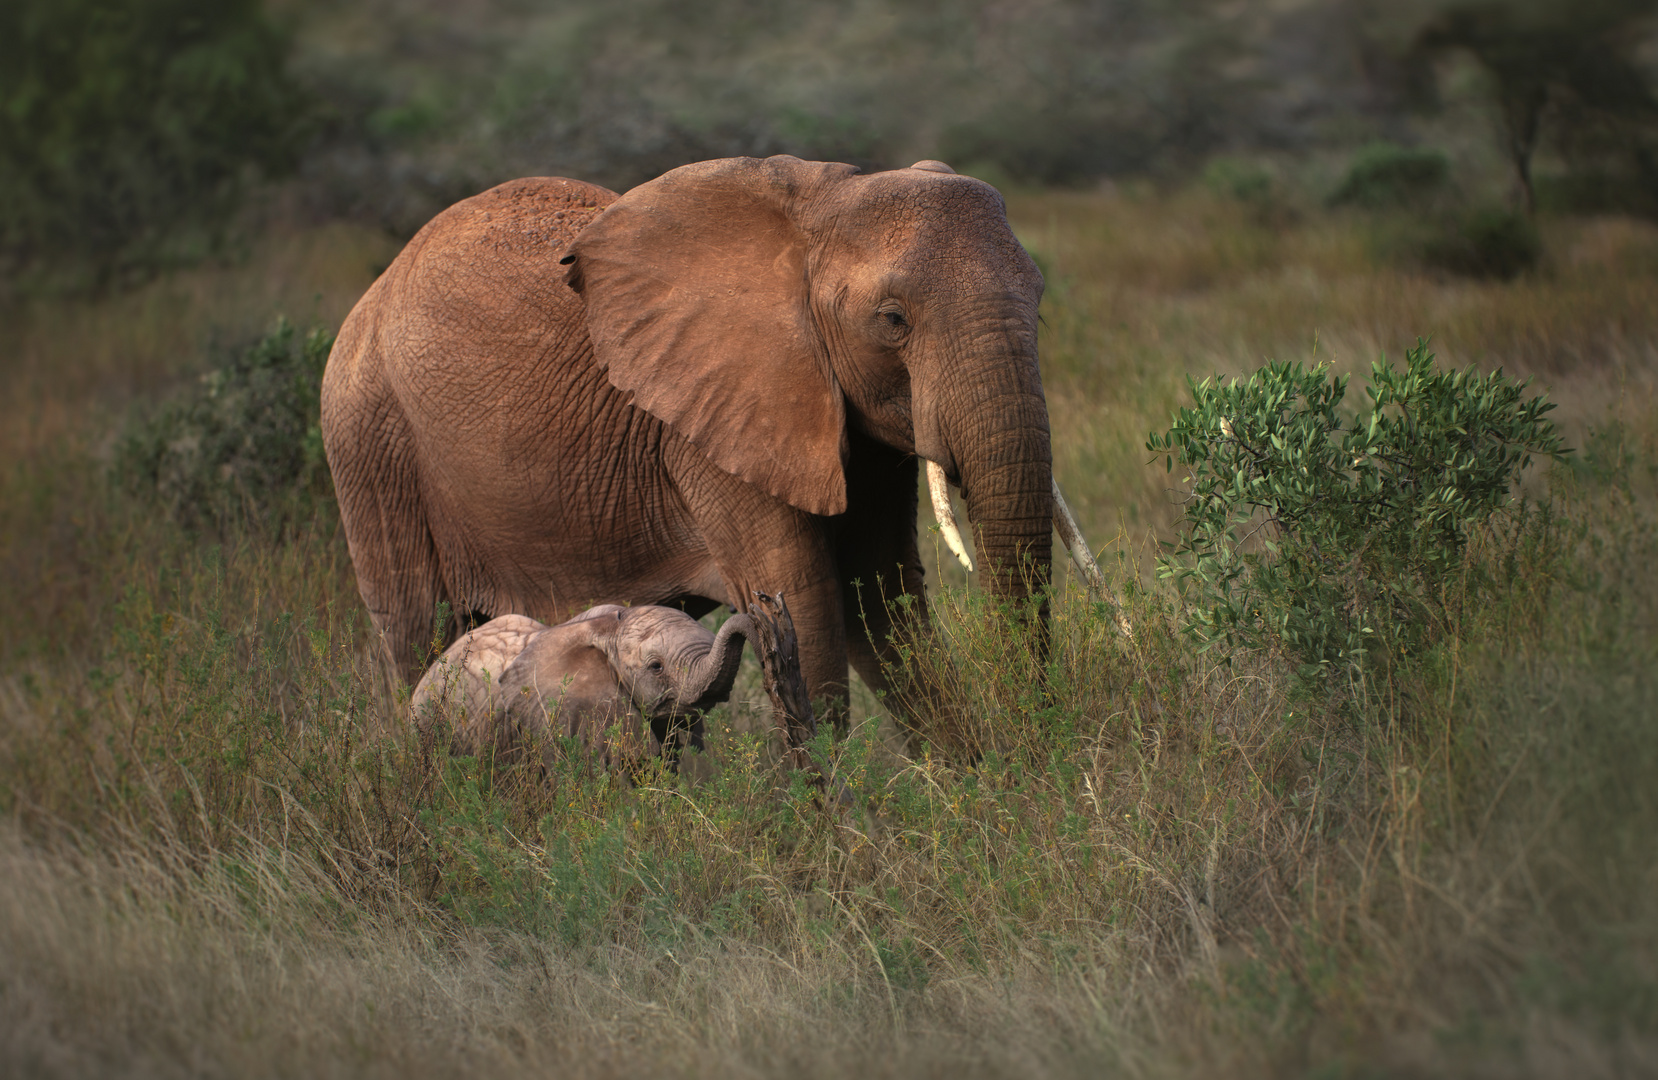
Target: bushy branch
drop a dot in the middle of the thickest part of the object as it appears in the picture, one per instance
(1331, 536)
(243, 442)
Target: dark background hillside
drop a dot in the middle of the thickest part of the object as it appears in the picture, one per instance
(131, 128)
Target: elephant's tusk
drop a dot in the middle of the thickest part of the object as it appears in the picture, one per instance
(1066, 523)
(1082, 554)
(939, 488)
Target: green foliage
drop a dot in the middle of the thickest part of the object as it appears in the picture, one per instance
(1489, 242)
(243, 442)
(121, 119)
(1387, 175)
(566, 889)
(1338, 537)
(1595, 189)
(620, 91)
(1480, 241)
(1046, 145)
(1577, 65)
(1239, 178)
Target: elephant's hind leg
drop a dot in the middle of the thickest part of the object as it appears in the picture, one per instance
(378, 483)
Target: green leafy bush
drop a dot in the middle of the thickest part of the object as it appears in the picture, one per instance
(1239, 178)
(1387, 175)
(1336, 535)
(121, 119)
(243, 442)
(1594, 189)
(1491, 241)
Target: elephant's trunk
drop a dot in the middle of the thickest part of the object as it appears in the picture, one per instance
(710, 677)
(1000, 442)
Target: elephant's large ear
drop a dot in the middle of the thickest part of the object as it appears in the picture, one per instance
(565, 665)
(696, 294)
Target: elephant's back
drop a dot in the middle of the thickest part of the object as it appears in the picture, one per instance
(529, 218)
(487, 267)
(476, 306)
(475, 271)
(465, 679)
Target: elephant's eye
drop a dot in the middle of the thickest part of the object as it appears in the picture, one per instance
(655, 666)
(895, 319)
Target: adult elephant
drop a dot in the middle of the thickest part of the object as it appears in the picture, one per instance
(719, 382)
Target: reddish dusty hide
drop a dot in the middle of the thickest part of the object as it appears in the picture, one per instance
(719, 381)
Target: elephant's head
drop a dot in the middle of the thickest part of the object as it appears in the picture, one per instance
(761, 307)
(668, 663)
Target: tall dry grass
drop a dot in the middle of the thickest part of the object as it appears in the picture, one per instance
(226, 853)
(75, 367)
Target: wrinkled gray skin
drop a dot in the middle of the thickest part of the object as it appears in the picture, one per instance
(623, 681)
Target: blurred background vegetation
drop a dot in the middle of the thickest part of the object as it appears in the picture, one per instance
(131, 128)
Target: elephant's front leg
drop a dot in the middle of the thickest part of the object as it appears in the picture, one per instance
(760, 542)
(883, 583)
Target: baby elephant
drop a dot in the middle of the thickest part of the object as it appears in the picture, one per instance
(623, 681)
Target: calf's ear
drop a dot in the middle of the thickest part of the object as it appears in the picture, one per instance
(565, 673)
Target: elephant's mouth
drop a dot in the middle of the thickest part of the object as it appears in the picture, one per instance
(678, 733)
(938, 486)
(682, 709)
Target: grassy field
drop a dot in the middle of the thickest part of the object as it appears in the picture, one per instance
(223, 851)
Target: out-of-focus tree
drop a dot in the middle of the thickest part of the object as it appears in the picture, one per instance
(122, 119)
(1574, 59)
(616, 91)
(1062, 92)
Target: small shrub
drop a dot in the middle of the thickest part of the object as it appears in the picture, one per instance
(244, 441)
(1336, 538)
(1493, 242)
(1063, 145)
(1600, 191)
(1385, 175)
(1240, 179)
